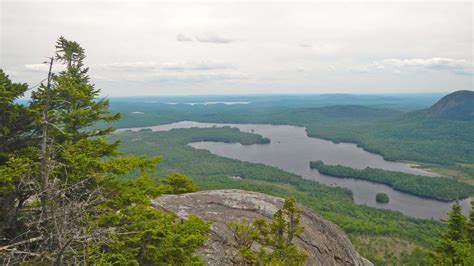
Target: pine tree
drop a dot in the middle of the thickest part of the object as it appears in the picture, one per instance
(15, 126)
(453, 243)
(62, 200)
(177, 184)
(15, 118)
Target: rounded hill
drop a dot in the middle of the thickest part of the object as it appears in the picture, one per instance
(458, 105)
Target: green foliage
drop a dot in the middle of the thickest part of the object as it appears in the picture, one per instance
(417, 257)
(62, 197)
(382, 198)
(470, 224)
(274, 237)
(244, 235)
(458, 105)
(455, 247)
(176, 183)
(228, 136)
(15, 119)
(412, 136)
(143, 235)
(432, 187)
(212, 172)
(278, 112)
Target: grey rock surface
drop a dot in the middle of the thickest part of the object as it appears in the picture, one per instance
(323, 241)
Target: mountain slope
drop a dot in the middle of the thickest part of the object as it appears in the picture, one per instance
(441, 134)
(458, 105)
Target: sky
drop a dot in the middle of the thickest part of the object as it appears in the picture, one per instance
(140, 48)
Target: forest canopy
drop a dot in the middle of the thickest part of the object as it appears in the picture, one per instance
(440, 188)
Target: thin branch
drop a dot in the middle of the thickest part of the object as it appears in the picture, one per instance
(28, 241)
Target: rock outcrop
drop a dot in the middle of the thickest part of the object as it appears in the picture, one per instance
(323, 241)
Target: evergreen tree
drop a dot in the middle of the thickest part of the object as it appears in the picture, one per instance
(455, 248)
(15, 131)
(15, 118)
(276, 236)
(62, 200)
(177, 184)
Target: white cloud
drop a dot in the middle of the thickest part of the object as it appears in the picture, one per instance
(166, 66)
(182, 77)
(300, 69)
(183, 38)
(43, 67)
(322, 48)
(129, 66)
(213, 38)
(266, 41)
(36, 67)
(191, 65)
(457, 66)
(435, 63)
(168, 72)
(367, 68)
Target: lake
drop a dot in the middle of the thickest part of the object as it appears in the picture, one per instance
(292, 150)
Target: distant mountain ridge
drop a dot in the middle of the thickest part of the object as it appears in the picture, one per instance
(356, 111)
(458, 105)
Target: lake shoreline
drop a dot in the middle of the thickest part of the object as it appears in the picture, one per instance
(293, 139)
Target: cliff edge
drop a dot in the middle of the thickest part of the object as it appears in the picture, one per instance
(323, 241)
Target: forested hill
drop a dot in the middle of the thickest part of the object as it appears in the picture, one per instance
(375, 123)
(346, 112)
(458, 105)
(441, 134)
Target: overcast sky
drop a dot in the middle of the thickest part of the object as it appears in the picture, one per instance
(143, 48)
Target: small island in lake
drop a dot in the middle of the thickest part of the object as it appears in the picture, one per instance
(382, 198)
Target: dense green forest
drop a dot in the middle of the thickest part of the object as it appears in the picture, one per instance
(336, 204)
(443, 145)
(147, 114)
(410, 137)
(440, 188)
